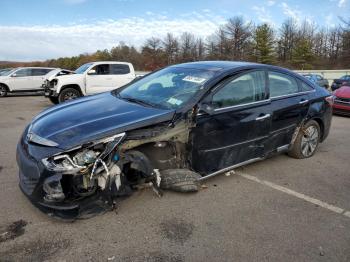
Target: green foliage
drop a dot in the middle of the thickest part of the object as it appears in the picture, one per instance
(264, 44)
(302, 56)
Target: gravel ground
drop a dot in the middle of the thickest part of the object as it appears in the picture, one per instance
(232, 219)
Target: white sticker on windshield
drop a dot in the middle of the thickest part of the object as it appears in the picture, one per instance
(174, 101)
(194, 79)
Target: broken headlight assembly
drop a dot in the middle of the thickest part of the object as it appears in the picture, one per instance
(80, 171)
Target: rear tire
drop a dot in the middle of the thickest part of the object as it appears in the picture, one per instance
(54, 100)
(3, 90)
(307, 141)
(68, 94)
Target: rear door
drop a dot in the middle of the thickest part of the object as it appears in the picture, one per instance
(289, 104)
(38, 77)
(237, 129)
(121, 74)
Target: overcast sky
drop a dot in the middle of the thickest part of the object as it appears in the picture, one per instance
(38, 30)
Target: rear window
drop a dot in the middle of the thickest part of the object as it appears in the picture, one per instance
(305, 87)
(119, 69)
(282, 84)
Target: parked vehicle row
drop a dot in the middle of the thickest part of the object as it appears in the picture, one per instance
(61, 85)
(341, 104)
(89, 79)
(317, 79)
(343, 81)
(25, 79)
(195, 120)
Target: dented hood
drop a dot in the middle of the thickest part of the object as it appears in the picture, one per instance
(94, 117)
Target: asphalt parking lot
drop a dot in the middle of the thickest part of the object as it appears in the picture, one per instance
(280, 209)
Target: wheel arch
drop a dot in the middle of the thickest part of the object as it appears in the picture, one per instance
(6, 86)
(321, 124)
(75, 86)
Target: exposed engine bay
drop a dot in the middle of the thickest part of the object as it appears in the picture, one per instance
(118, 165)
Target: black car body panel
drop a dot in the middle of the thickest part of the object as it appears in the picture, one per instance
(93, 118)
(195, 135)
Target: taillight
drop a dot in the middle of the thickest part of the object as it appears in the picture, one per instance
(330, 100)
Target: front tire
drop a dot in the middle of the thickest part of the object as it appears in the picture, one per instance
(307, 141)
(68, 94)
(3, 91)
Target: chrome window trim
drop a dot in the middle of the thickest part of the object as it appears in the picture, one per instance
(241, 105)
(293, 94)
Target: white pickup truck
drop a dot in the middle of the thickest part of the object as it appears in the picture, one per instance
(89, 79)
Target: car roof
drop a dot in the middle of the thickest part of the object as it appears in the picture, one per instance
(223, 66)
(36, 67)
(109, 62)
(215, 65)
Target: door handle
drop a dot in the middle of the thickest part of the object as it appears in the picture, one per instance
(262, 117)
(302, 102)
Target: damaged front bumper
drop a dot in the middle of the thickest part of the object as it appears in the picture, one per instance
(71, 183)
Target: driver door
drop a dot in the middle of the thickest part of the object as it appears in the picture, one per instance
(237, 128)
(99, 80)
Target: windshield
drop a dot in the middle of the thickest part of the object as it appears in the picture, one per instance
(83, 68)
(168, 88)
(6, 72)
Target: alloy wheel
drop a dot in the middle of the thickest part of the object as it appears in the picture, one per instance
(70, 96)
(309, 141)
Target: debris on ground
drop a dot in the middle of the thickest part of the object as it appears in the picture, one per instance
(12, 230)
(232, 172)
(321, 251)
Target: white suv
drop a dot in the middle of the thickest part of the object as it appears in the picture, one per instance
(23, 79)
(89, 79)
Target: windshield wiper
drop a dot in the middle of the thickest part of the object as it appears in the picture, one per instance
(137, 101)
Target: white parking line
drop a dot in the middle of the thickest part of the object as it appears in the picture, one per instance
(296, 194)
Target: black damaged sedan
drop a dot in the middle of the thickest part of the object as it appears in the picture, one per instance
(170, 129)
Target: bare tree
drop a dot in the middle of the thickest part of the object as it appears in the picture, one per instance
(187, 47)
(238, 34)
(171, 48)
(287, 40)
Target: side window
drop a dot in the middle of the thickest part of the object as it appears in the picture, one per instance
(23, 72)
(305, 87)
(101, 69)
(282, 84)
(244, 89)
(119, 69)
(40, 71)
(318, 77)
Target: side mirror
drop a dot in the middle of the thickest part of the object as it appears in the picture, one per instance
(205, 108)
(92, 72)
(14, 75)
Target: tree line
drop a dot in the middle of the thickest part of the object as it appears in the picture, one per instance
(293, 45)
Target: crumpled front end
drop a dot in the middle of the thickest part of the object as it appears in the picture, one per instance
(89, 178)
(72, 180)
